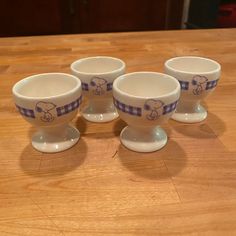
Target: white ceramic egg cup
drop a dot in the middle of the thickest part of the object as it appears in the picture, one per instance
(49, 101)
(198, 77)
(97, 75)
(144, 100)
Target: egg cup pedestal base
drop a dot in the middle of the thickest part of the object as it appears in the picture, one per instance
(100, 111)
(55, 139)
(195, 115)
(143, 140)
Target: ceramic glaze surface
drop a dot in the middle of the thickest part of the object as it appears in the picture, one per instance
(196, 65)
(41, 86)
(143, 109)
(198, 77)
(97, 65)
(49, 101)
(97, 75)
(138, 86)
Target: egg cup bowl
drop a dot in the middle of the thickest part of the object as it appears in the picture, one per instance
(198, 78)
(145, 100)
(49, 102)
(97, 75)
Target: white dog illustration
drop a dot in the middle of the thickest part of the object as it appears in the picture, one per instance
(199, 83)
(155, 107)
(45, 108)
(99, 85)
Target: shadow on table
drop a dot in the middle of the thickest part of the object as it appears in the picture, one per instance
(40, 164)
(81, 124)
(212, 127)
(154, 165)
(216, 123)
(118, 126)
(99, 131)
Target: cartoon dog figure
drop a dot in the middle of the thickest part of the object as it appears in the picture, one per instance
(45, 108)
(155, 108)
(99, 85)
(199, 83)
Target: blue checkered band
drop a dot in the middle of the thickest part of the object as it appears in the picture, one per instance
(109, 86)
(169, 108)
(26, 112)
(135, 111)
(85, 87)
(184, 85)
(211, 84)
(69, 107)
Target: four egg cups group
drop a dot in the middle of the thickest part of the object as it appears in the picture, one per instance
(144, 100)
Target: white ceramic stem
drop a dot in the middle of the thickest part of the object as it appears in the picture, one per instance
(189, 112)
(55, 139)
(100, 110)
(143, 139)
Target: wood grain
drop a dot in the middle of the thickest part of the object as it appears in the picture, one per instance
(100, 188)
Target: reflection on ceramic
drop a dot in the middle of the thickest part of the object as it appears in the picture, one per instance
(145, 100)
(49, 101)
(198, 77)
(97, 75)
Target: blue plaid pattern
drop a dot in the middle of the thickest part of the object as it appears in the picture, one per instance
(109, 86)
(135, 111)
(184, 85)
(26, 112)
(169, 108)
(211, 84)
(85, 87)
(69, 107)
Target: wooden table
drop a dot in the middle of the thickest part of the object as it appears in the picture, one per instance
(100, 188)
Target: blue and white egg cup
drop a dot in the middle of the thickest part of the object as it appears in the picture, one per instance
(97, 75)
(198, 78)
(145, 100)
(50, 101)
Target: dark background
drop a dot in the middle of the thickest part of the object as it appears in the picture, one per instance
(44, 17)
(212, 14)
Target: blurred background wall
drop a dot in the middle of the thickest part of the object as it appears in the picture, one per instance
(45, 17)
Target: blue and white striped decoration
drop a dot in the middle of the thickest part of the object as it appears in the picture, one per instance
(135, 111)
(109, 86)
(184, 85)
(85, 86)
(63, 110)
(170, 107)
(211, 84)
(26, 112)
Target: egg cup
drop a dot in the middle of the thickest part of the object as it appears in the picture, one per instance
(198, 78)
(97, 75)
(49, 102)
(145, 100)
